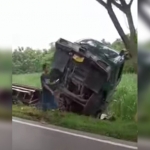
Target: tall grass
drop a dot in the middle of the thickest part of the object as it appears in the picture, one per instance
(124, 101)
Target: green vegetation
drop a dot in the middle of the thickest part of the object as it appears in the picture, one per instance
(125, 99)
(33, 60)
(27, 79)
(119, 129)
(123, 107)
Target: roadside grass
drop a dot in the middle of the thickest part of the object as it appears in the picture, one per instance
(27, 79)
(124, 103)
(118, 129)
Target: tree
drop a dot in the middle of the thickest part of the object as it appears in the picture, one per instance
(28, 60)
(106, 43)
(118, 45)
(130, 42)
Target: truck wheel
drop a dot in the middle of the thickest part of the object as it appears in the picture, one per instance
(93, 105)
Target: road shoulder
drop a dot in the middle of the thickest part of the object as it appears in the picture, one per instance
(80, 134)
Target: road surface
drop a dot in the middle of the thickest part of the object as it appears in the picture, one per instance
(28, 135)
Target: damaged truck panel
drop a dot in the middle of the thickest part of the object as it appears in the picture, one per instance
(85, 74)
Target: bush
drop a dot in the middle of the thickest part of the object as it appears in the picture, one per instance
(128, 68)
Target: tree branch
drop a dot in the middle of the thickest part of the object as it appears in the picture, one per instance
(123, 3)
(131, 1)
(102, 3)
(117, 5)
(119, 28)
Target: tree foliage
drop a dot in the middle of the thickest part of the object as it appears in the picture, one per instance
(30, 60)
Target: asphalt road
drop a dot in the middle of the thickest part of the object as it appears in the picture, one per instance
(29, 135)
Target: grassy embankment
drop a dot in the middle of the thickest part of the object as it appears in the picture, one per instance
(123, 107)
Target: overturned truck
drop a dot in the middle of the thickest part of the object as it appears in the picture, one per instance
(85, 74)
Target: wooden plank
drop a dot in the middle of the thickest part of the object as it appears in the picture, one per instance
(27, 87)
(21, 90)
(15, 87)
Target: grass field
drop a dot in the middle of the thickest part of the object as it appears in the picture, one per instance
(123, 107)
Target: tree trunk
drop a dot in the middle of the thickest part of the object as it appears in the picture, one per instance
(118, 27)
(131, 23)
(133, 35)
(133, 51)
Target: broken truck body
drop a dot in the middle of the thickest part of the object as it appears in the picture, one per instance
(85, 75)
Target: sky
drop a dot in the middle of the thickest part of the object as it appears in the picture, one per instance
(36, 23)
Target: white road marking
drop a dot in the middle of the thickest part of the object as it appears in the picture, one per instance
(76, 135)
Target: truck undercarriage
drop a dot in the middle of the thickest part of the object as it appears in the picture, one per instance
(80, 82)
